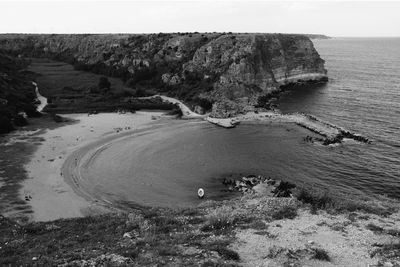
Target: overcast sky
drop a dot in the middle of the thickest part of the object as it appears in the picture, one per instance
(334, 18)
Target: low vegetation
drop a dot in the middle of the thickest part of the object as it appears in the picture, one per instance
(320, 254)
(388, 251)
(286, 212)
(337, 202)
(17, 94)
(204, 235)
(147, 237)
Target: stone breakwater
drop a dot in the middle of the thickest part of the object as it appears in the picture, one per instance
(223, 73)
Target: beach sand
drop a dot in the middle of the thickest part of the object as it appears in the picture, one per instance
(46, 190)
(53, 196)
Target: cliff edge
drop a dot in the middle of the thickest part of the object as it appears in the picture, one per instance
(226, 73)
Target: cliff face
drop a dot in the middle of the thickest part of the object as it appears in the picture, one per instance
(229, 70)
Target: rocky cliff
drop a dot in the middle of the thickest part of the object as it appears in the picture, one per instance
(225, 71)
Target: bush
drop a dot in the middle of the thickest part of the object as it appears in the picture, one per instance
(374, 228)
(20, 120)
(388, 251)
(204, 103)
(227, 253)
(140, 92)
(220, 246)
(324, 200)
(286, 212)
(5, 124)
(317, 199)
(176, 112)
(167, 251)
(220, 219)
(193, 77)
(321, 255)
(104, 83)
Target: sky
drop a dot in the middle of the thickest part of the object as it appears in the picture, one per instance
(333, 18)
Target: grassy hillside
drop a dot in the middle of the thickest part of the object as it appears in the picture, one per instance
(312, 229)
(230, 70)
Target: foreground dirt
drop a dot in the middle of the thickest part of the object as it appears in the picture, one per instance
(253, 230)
(346, 238)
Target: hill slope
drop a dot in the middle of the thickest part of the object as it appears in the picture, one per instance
(17, 93)
(230, 71)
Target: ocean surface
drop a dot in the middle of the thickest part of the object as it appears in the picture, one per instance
(363, 95)
(166, 166)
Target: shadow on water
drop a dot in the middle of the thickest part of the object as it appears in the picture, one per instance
(295, 97)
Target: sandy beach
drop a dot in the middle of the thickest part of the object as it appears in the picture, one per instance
(46, 190)
(55, 188)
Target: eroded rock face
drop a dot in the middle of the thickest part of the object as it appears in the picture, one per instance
(230, 70)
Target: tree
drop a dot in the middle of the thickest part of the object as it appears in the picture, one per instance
(104, 83)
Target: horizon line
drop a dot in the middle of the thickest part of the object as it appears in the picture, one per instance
(183, 32)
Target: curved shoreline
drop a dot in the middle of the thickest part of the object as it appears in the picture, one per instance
(53, 196)
(80, 160)
(71, 168)
(47, 193)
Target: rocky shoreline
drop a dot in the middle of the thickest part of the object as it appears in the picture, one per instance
(261, 185)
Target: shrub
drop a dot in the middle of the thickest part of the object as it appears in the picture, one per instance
(227, 253)
(286, 212)
(321, 255)
(20, 120)
(167, 251)
(204, 103)
(104, 83)
(324, 200)
(220, 219)
(5, 124)
(374, 228)
(317, 199)
(388, 251)
(221, 246)
(34, 229)
(259, 225)
(176, 112)
(167, 224)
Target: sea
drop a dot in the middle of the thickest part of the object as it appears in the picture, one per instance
(165, 166)
(362, 95)
(167, 163)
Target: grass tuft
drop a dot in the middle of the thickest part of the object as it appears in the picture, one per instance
(221, 218)
(286, 212)
(221, 247)
(374, 228)
(388, 251)
(335, 202)
(321, 255)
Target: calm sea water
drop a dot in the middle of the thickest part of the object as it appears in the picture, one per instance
(166, 166)
(363, 95)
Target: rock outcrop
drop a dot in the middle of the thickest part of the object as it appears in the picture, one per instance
(229, 70)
